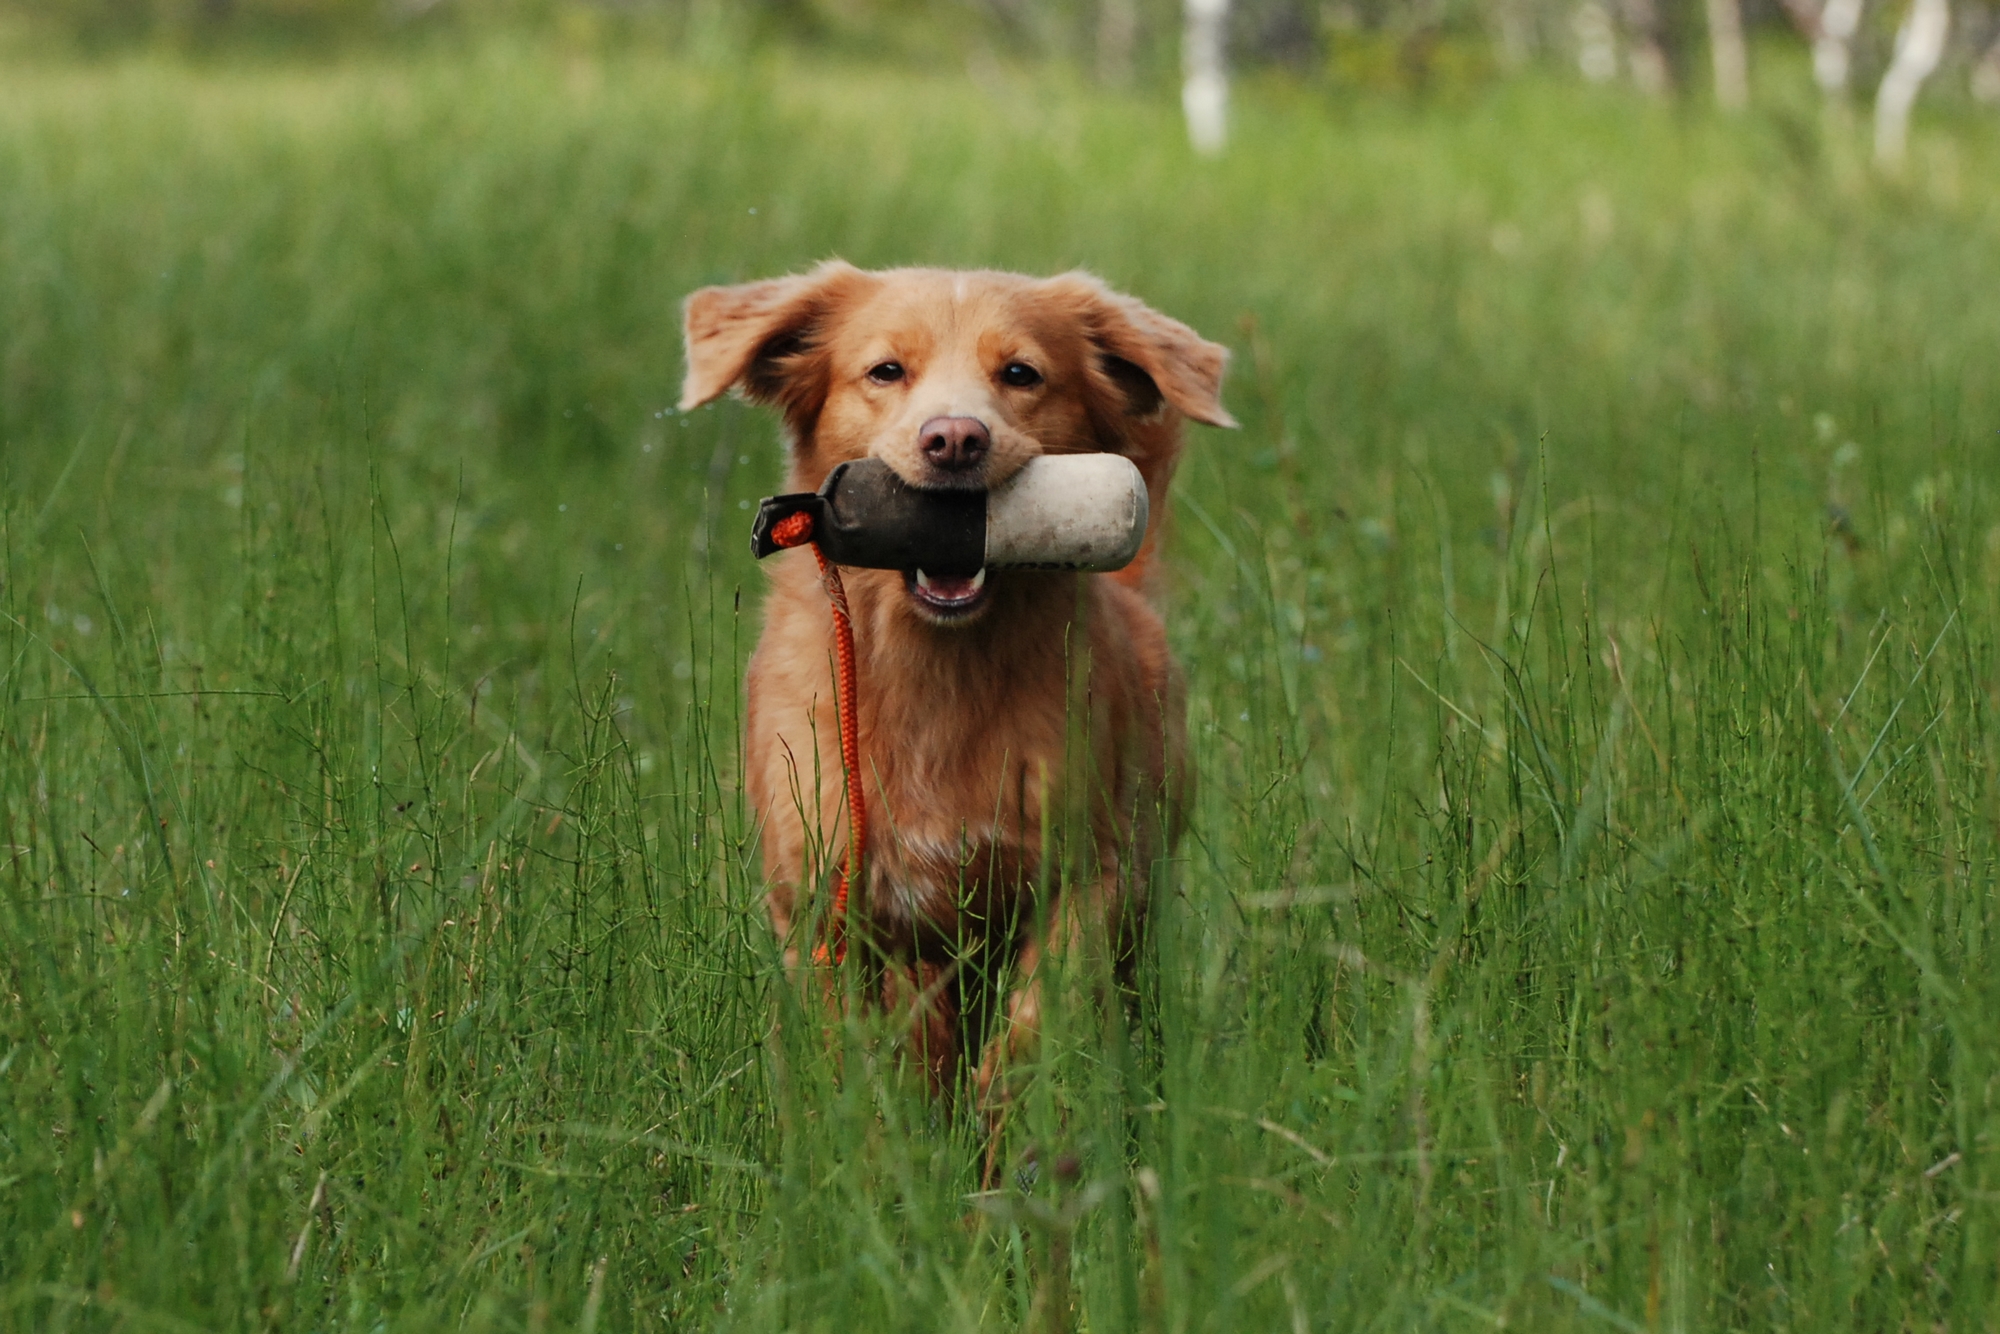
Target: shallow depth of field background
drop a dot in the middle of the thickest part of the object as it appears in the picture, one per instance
(1592, 632)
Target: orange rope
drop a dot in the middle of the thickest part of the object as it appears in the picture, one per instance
(796, 530)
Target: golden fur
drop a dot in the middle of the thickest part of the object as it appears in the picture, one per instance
(965, 725)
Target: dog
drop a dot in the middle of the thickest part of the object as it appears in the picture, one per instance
(995, 711)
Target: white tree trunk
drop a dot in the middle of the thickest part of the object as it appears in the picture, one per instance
(1205, 89)
(1645, 55)
(1986, 76)
(1919, 47)
(1596, 42)
(1117, 35)
(1727, 54)
(1514, 32)
(1833, 45)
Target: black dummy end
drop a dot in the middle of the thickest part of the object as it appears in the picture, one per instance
(866, 516)
(771, 509)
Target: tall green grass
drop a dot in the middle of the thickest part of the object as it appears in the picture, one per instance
(1592, 642)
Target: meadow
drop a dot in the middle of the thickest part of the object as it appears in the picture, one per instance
(1592, 643)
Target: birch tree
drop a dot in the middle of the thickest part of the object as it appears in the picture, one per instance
(1596, 42)
(1727, 55)
(1833, 46)
(1117, 36)
(1205, 86)
(1830, 28)
(1919, 47)
(1647, 54)
(1986, 75)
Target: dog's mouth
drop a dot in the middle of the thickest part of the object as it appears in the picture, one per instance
(946, 597)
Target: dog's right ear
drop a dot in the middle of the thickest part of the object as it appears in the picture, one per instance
(761, 335)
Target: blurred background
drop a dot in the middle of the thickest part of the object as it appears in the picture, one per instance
(1668, 48)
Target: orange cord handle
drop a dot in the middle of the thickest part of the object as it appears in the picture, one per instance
(796, 530)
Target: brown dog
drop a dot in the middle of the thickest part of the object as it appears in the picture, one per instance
(992, 710)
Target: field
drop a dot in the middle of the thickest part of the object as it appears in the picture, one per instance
(1593, 641)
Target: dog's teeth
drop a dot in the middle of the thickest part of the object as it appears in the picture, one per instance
(923, 580)
(979, 580)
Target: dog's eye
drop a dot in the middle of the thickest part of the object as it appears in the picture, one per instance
(887, 373)
(1020, 375)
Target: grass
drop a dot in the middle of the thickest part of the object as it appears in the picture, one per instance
(1592, 638)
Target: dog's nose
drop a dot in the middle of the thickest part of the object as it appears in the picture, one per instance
(954, 444)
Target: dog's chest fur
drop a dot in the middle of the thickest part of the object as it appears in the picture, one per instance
(969, 738)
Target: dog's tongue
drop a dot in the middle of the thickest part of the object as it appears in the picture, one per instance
(950, 588)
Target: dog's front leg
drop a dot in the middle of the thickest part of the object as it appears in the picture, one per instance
(923, 994)
(1074, 921)
(1020, 1029)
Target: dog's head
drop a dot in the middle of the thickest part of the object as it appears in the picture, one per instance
(954, 379)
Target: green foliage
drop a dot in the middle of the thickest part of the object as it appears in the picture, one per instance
(112, 24)
(909, 28)
(1592, 643)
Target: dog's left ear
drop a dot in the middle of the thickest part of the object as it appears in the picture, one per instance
(1146, 354)
(760, 335)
